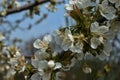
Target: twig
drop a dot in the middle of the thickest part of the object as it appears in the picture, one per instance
(25, 7)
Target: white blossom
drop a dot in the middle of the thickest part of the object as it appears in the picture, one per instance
(42, 44)
(69, 7)
(77, 48)
(68, 40)
(40, 65)
(116, 2)
(106, 10)
(97, 30)
(64, 40)
(81, 4)
(44, 65)
(94, 42)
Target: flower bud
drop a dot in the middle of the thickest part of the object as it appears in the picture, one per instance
(51, 63)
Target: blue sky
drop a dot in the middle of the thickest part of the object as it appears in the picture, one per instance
(51, 23)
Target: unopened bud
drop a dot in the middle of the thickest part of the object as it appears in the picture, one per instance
(51, 63)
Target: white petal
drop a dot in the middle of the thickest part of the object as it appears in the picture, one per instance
(106, 53)
(37, 44)
(57, 65)
(88, 56)
(107, 48)
(66, 45)
(101, 39)
(68, 7)
(81, 4)
(104, 2)
(36, 76)
(42, 65)
(23, 69)
(77, 48)
(69, 34)
(117, 5)
(68, 40)
(73, 2)
(73, 61)
(102, 29)
(110, 35)
(54, 54)
(58, 36)
(47, 38)
(102, 56)
(17, 4)
(94, 43)
(41, 72)
(40, 44)
(18, 54)
(109, 16)
(46, 76)
(41, 55)
(35, 63)
(94, 27)
(108, 12)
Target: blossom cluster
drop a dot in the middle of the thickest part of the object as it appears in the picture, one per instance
(9, 4)
(90, 36)
(11, 60)
(97, 22)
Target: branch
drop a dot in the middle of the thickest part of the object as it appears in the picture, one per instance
(25, 7)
